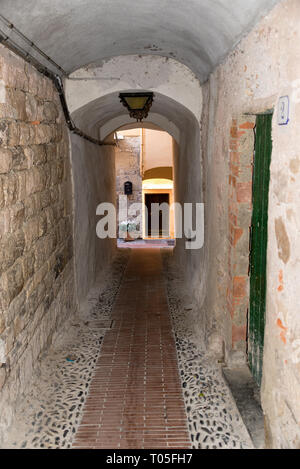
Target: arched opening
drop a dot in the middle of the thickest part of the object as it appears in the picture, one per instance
(144, 166)
(106, 115)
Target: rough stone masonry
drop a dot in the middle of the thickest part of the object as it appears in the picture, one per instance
(127, 158)
(36, 246)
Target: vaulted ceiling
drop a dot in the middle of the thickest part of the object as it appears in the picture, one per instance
(75, 33)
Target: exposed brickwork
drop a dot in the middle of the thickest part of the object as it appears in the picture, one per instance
(36, 271)
(240, 211)
(135, 398)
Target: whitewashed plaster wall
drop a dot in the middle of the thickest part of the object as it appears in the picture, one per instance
(93, 170)
(198, 33)
(135, 72)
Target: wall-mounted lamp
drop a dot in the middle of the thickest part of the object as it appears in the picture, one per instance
(138, 104)
(128, 188)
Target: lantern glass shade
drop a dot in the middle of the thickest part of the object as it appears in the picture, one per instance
(138, 104)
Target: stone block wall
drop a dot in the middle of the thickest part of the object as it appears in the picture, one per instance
(127, 160)
(36, 246)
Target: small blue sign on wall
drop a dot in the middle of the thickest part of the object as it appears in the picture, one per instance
(283, 110)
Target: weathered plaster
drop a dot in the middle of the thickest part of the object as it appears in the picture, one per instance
(263, 67)
(153, 121)
(94, 182)
(177, 109)
(199, 33)
(135, 72)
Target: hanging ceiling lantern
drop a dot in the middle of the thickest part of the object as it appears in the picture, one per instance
(138, 104)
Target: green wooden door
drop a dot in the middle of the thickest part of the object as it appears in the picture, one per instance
(258, 243)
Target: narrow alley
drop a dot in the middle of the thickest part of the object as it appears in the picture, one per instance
(149, 224)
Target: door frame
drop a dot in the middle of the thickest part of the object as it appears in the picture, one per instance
(171, 201)
(241, 152)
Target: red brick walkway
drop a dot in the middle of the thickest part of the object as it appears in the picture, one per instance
(135, 398)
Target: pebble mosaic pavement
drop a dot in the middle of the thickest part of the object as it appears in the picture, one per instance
(52, 410)
(214, 421)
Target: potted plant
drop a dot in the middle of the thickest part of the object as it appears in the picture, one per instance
(128, 226)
